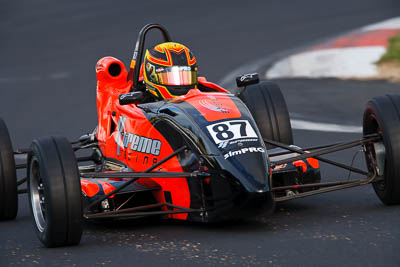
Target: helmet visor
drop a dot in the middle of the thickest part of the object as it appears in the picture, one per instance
(176, 75)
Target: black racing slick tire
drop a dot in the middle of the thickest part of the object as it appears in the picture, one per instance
(8, 176)
(268, 107)
(382, 116)
(54, 189)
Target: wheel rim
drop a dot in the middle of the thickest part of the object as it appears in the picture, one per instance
(376, 128)
(36, 189)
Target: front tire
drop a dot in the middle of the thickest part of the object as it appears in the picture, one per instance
(382, 116)
(8, 176)
(268, 107)
(55, 192)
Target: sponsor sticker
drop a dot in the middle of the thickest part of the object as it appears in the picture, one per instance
(244, 151)
(135, 142)
(238, 142)
(211, 103)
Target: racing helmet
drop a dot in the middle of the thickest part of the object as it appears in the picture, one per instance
(170, 70)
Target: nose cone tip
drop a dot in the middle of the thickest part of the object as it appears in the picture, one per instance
(255, 203)
(246, 205)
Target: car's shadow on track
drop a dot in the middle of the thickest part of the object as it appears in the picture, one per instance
(246, 225)
(287, 215)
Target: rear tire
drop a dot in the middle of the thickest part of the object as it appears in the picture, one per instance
(8, 176)
(382, 115)
(268, 107)
(55, 192)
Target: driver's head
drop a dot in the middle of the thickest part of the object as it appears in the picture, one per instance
(170, 70)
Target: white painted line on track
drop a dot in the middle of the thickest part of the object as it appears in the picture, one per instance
(324, 127)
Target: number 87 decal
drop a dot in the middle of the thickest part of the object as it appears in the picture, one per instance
(231, 130)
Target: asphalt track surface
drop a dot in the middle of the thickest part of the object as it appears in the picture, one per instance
(48, 50)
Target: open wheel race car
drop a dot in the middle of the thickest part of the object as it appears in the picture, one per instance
(205, 156)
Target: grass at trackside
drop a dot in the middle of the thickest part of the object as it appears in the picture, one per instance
(393, 50)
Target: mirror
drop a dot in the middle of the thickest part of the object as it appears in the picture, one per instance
(130, 98)
(247, 79)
